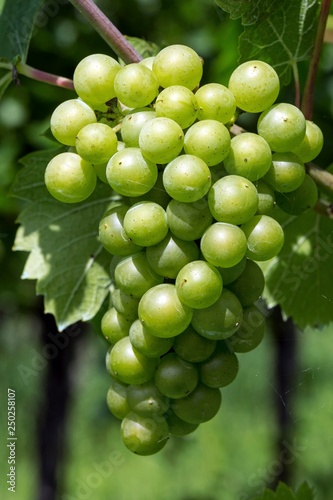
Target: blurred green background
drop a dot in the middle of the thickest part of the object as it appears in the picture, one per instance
(233, 456)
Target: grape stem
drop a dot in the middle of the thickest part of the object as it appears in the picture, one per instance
(41, 76)
(308, 94)
(107, 30)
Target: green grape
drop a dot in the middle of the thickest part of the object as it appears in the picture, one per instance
(146, 223)
(286, 173)
(125, 304)
(129, 366)
(130, 174)
(161, 312)
(220, 369)
(178, 103)
(209, 140)
(192, 347)
(168, 256)
(301, 200)
(265, 237)
(69, 178)
(134, 276)
(178, 427)
(100, 168)
(132, 125)
(251, 331)
(230, 274)
(148, 61)
(143, 435)
(96, 143)
(135, 85)
(249, 156)
(215, 102)
(147, 344)
(94, 78)
(187, 178)
(178, 65)
(249, 286)
(112, 234)
(161, 140)
(198, 284)
(255, 85)
(312, 143)
(146, 399)
(116, 399)
(174, 377)
(68, 118)
(233, 199)
(282, 126)
(220, 320)
(223, 244)
(188, 221)
(114, 325)
(266, 197)
(157, 194)
(200, 406)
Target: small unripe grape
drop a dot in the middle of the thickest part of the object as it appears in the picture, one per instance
(286, 173)
(249, 156)
(178, 65)
(233, 199)
(146, 343)
(220, 320)
(179, 427)
(112, 234)
(220, 369)
(114, 325)
(198, 284)
(266, 198)
(301, 200)
(129, 365)
(116, 399)
(192, 346)
(178, 103)
(230, 274)
(146, 399)
(146, 223)
(132, 125)
(96, 143)
(144, 435)
(223, 244)
(265, 237)
(282, 126)
(187, 178)
(249, 286)
(251, 331)
(215, 102)
(255, 85)
(134, 275)
(130, 174)
(94, 78)
(161, 140)
(200, 406)
(135, 85)
(124, 304)
(69, 178)
(188, 221)
(68, 118)
(161, 312)
(175, 377)
(209, 140)
(312, 143)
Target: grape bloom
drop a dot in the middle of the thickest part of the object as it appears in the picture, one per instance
(196, 211)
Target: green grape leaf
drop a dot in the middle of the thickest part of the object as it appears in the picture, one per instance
(65, 256)
(266, 495)
(143, 47)
(283, 492)
(17, 21)
(304, 492)
(300, 278)
(279, 32)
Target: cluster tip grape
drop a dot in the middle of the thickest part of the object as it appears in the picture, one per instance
(195, 213)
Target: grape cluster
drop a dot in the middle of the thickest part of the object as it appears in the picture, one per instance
(195, 213)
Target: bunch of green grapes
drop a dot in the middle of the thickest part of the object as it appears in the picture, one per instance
(196, 213)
